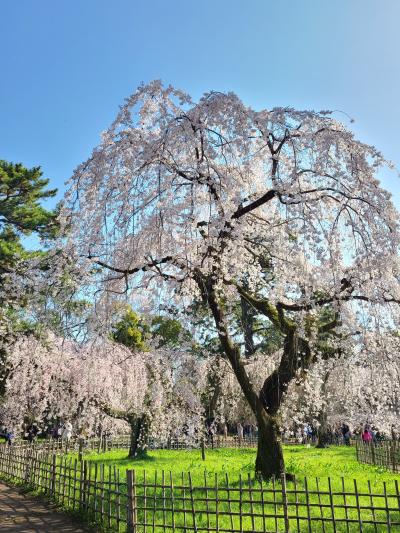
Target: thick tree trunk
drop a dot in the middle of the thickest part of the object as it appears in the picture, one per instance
(269, 460)
(323, 433)
(138, 437)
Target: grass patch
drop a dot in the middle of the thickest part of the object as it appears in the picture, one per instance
(334, 462)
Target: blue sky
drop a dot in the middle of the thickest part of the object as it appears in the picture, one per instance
(66, 65)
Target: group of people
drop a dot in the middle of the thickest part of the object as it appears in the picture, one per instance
(371, 434)
(56, 431)
(60, 431)
(367, 433)
(31, 432)
(305, 433)
(242, 431)
(246, 430)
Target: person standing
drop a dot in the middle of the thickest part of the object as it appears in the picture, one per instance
(240, 433)
(366, 435)
(346, 434)
(67, 431)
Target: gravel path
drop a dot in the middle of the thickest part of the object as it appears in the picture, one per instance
(22, 513)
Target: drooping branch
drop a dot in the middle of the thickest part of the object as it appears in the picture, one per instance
(329, 326)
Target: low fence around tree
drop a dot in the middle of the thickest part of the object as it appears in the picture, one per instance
(76, 444)
(385, 454)
(117, 442)
(104, 444)
(140, 502)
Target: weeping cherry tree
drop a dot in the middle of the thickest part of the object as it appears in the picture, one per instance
(278, 208)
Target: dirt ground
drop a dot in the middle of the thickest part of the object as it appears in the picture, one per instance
(22, 513)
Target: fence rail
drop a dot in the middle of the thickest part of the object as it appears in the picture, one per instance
(385, 454)
(140, 502)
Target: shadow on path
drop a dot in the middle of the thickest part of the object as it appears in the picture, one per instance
(22, 513)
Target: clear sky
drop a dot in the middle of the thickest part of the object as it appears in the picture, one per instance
(66, 65)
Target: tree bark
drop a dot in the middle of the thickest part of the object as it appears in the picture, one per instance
(269, 461)
(323, 436)
(138, 437)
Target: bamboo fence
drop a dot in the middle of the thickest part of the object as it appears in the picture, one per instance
(75, 444)
(140, 502)
(385, 454)
(105, 444)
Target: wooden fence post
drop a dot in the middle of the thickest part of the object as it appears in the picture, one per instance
(80, 449)
(203, 449)
(28, 465)
(82, 496)
(130, 491)
(392, 448)
(53, 475)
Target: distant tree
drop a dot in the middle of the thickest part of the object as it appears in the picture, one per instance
(130, 331)
(21, 214)
(138, 332)
(156, 393)
(169, 332)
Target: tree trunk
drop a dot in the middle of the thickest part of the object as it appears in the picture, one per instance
(323, 435)
(269, 460)
(138, 437)
(265, 405)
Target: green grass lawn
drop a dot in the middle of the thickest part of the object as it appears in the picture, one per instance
(334, 462)
(240, 495)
